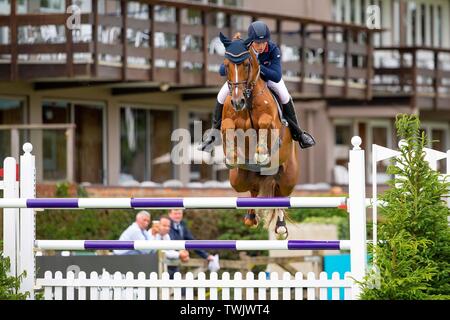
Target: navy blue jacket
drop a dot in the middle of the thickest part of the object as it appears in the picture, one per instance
(270, 62)
(187, 235)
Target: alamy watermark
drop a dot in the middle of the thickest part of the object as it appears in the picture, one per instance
(373, 17)
(249, 148)
(73, 22)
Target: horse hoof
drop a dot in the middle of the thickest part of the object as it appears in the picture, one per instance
(281, 230)
(252, 223)
(251, 220)
(262, 159)
(282, 236)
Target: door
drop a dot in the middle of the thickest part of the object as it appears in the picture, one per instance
(89, 158)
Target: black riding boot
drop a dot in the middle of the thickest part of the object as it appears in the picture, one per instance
(217, 121)
(304, 139)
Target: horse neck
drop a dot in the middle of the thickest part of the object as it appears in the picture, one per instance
(259, 85)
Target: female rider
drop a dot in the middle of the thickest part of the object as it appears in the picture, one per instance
(269, 57)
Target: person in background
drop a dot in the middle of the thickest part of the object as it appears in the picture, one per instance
(179, 231)
(138, 230)
(160, 231)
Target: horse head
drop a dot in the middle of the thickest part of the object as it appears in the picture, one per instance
(242, 70)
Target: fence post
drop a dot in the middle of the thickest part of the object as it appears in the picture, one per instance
(357, 197)
(10, 216)
(448, 175)
(27, 220)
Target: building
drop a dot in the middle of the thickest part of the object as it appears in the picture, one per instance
(110, 80)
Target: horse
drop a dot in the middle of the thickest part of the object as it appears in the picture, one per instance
(251, 105)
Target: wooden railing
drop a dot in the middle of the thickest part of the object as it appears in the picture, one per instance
(420, 72)
(320, 58)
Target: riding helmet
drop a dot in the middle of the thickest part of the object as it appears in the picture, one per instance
(258, 31)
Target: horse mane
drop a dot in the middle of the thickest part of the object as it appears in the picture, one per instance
(237, 36)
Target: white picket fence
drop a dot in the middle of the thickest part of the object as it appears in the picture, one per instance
(118, 286)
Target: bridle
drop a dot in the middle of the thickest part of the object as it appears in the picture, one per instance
(248, 88)
(248, 85)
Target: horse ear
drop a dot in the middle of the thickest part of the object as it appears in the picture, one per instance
(226, 42)
(247, 42)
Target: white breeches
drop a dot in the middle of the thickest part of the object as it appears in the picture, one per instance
(279, 88)
(223, 93)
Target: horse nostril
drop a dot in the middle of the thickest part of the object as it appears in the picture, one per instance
(232, 103)
(242, 101)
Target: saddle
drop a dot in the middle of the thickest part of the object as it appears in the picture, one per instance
(280, 111)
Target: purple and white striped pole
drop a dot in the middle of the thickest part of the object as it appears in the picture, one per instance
(183, 203)
(193, 244)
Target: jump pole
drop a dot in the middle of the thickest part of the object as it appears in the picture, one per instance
(174, 203)
(193, 244)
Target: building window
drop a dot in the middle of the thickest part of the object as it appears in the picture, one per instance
(109, 7)
(12, 111)
(89, 158)
(438, 135)
(413, 25)
(352, 11)
(423, 24)
(137, 10)
(431, 24)
(41, 6)
(144, 145)
(199, 172)
(378, 132)
(439, 25)
(363, 12)
(343, 132)
(5, 7)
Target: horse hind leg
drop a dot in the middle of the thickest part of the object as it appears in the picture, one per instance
(285, 185)
(281, 229)
(251, 219)
(280, 226)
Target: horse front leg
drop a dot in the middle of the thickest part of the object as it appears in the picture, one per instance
(262, 156)
(229, 145)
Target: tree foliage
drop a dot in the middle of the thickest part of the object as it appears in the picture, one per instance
(412, 255)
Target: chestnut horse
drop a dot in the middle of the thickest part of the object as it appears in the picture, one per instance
(251, 105)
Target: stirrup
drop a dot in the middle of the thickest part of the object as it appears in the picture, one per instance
(306, 140)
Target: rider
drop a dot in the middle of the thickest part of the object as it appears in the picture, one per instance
(269, 57)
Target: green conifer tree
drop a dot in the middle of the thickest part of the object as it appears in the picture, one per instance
(9, 285)
(412, 256)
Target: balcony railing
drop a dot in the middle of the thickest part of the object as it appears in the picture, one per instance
(176, 42)
(418, 72)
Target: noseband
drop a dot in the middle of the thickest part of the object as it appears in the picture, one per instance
(248, 86)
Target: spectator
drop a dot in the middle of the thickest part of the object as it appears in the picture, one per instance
(179, 231)
(136, 231)
(160, 231)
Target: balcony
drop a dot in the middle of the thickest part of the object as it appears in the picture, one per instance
(177, 43)
(420, 75)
